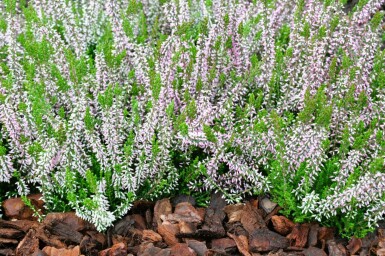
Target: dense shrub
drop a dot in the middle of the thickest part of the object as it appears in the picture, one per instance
(105, 102)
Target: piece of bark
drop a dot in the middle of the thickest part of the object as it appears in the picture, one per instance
(251, 219)
(168, 231)
(14, 208)
(124, 227)
(48, 239)
(70, 219)
(22, 225)
(234, 212)
(152, 236)
(199, 247)
(187, 227)
(262, 240)
(312, 240)
(119, 249)
(65, 232)
(314, 251)
(298, 236)
(52, 251)
(236, 228)
(148, 249)
(180, 249)
(336, 249)
(354, 245)
(162, 207)
(139, 221)
(380, 252)
(148, 215)
(214, 217)
(282, 224)
(88, 246)
(185, 212)
(226, 245)
(242, 244)
(29, 245)
(11, 233)
(325, 234)
(7, 241)
(7, 252)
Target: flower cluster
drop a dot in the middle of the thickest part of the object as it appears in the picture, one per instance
(114, 100)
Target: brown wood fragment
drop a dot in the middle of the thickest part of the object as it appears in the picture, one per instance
(65, 232)
(168, 231)
(282, 224)
(52, 251)
(298, 236)
(22, 225)
(7, 241)
(68, 218)
(354, 245)
(336, 249)
(119, 249)
(313, 235)
(152, 236)
(29, 245)
(314, 251)
(234, 212)
(251, 219)
(224, 245)
(162, 207)
(48, 239)
(242, 243)
(11, 233)
(182, 249)
(214, 217)
(262, 240)
(7, 252)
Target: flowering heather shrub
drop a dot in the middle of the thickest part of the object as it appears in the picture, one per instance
(105, 102)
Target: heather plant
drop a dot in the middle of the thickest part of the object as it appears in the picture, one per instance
(106, 102)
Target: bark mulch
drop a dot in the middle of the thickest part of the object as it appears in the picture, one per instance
(176, 227)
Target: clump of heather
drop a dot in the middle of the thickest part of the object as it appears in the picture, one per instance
(105, 102)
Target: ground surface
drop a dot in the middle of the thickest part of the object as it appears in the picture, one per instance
(177, 227)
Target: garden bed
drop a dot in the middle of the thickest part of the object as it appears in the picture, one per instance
(175, 227)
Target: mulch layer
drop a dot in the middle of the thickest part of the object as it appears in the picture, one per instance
(177, 227)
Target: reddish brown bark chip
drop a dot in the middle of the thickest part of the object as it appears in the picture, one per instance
(119, 249)
(234, 212)
(11, 233)
(251, 219)
(180, 249)
(168, 232)
(263, 240)
(314, 251)
(354, 245)
(185, 212)
(29, 245)
(298, 236)
(68, 218)
(152, 236)
(226, 244)
(14, 208)
(242, 243)
(52, 251)
(282, 224)
(162, 207)
(22, 225)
